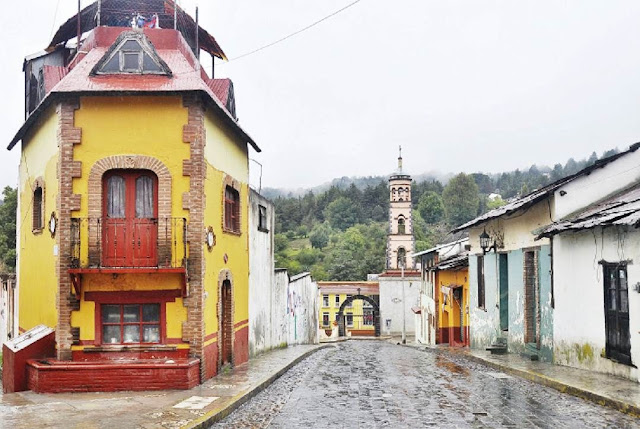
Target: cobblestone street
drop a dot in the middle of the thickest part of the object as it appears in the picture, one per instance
(378, 384)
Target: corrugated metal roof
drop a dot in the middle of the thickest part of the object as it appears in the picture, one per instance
(458, 261)
(620, 209)
(542, 193)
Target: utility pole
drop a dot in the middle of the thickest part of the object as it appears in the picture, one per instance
(404, 310)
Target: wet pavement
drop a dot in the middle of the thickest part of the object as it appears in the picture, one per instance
(149, 410)
(377, 384)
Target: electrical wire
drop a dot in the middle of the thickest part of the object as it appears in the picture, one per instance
(262, 48)
(55, 16)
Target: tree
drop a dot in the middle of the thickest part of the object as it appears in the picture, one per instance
(320, 235)
(431, 207)
(495, 203)
(8, 212)
(461, 199)
(557, 173)
(342, 213)
(571, 167)
(281, 242)
(592, 159)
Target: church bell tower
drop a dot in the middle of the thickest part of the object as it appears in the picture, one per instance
(400, 241)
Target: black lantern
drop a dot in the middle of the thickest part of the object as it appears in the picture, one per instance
(485, 242)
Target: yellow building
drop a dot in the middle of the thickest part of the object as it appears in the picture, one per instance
(361, 316)
(133, 205)
(443, 314)
(452, 278)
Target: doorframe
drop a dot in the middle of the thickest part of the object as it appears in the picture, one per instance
(225, 275)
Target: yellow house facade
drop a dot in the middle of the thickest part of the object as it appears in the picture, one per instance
(133, 211)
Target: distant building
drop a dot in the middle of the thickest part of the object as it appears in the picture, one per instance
(360, 316)
(400, 240)
(399, 283)
(443, 314)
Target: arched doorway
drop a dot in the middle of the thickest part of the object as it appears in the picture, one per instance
(376, 314)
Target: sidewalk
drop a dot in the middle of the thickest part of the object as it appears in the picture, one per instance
(195, 408)
(607, 390)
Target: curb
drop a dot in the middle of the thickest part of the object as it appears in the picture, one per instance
(215, 416)
(623, 407)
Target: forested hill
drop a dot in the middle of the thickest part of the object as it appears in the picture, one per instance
(339, 233)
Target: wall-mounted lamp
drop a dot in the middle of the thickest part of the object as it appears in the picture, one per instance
(636, 287)
(485, 242)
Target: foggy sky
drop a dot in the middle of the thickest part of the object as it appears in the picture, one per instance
(462, 85)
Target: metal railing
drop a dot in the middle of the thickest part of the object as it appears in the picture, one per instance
(128, 243)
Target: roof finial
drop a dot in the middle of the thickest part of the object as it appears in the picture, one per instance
(400, 160)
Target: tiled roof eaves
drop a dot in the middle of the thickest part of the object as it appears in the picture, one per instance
(54, 96)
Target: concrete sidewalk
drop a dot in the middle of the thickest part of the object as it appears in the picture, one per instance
(607, 390)
(195, 408)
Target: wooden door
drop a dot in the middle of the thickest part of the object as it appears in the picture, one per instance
(616, 304)
(226, 322)
(130, 225)
(531, 299)
(504, 292)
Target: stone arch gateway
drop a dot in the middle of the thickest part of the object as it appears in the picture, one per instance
(376, 313)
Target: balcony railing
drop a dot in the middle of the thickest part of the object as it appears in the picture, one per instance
(128, 243)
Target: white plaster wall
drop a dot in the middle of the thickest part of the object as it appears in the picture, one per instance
(4, 314)
(599, 184)
(302, 314)
(579, 321)
(392, 306)
(484, 323)
(428, 312)
(279, 316)
(516, 232)
(262, 288)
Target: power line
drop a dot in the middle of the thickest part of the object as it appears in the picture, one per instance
(55, 16)
(262, 48)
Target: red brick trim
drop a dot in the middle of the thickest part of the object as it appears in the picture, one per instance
(67, 136)
(38, 183)
(232, 183)
(193, 330)
(130, 162)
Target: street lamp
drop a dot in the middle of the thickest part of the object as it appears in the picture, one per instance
(485, 242)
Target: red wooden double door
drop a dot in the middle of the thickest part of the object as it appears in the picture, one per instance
(130, 223)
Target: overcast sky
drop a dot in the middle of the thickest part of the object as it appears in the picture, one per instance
(461, 85)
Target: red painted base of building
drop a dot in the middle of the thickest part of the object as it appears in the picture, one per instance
(53, 376)
(452, 336)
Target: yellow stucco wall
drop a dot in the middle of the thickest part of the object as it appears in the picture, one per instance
(224, 151)
(37, 275)
(449, 316)
(147, 126)
(225, 155)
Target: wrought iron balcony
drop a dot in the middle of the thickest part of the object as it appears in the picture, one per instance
(125, 243)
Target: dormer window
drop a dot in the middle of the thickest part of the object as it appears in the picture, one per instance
(132, 53)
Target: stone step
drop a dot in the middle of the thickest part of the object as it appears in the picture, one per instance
(497, 349)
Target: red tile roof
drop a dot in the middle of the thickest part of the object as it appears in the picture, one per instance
(366, 288)
(220, 88)
(170, 46)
